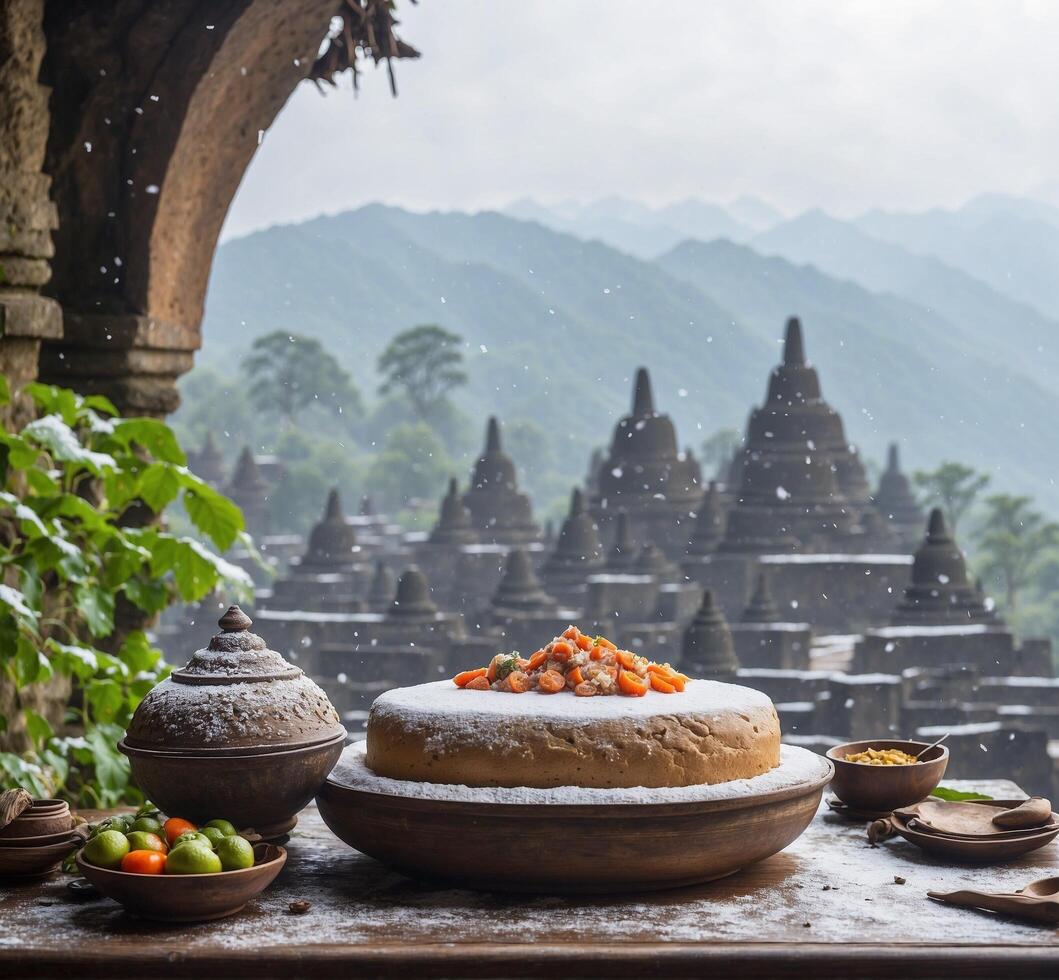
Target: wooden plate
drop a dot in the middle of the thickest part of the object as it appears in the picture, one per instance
(985, 851)
(25, 862)
(188, 898)
(558, 848)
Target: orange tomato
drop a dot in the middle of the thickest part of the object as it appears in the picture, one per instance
(518, 682)
(480, 683)
(537, 659)
(561, 651)
(143, 862)
(464, 678)
(550, 682)
(631, 684)
(585, 690)
(174, 827)
(575, 677)
(625, 659)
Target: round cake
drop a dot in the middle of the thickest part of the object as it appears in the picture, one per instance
(708, 733)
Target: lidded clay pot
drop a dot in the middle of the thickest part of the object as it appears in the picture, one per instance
(237, 733)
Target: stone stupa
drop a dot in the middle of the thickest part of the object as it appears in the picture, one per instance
(412, 600)
(332, 540)
(789, 498)
(453, 525)
(708, 529)
(707, 650)
(382, 589)
(622, 554)
(578, 553)
(249, 489)
(644, 475)
(520, 589)
(500, 512)
(940, 592)
(762, 607)
(209, 463)
(896, 504)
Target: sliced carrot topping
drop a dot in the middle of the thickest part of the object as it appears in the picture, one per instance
(575, 677)
(518, 682)
(536, 660)
(604, 642)
(677, 682)
(584, 643)
(625, 659)
(631, 684)
(585, 690)
(571, 632)
(465, 678)
(551, 682)
(561, 650)
(480, 683)
(660, 685)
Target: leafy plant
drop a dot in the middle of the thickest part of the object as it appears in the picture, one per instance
(956, 795)
(289, 373)
(79, 488)
(1014, 542)
(426, 363)
(953, 487)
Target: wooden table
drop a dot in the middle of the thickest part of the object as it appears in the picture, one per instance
(827, 906)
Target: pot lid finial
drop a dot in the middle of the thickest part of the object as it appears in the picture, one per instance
(235, 620)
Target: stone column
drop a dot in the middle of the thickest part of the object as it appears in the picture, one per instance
(27, 215)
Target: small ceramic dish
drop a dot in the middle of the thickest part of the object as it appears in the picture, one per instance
(42, 818)
(188, 898)
(885, 788)
(43, 841)
(35, 862)
(983, 851)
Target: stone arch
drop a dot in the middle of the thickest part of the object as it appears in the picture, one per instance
(155, 116)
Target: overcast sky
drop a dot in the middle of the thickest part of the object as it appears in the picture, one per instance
(845, 105)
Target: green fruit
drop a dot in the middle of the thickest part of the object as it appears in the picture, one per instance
(226, 827)
(192, 859)
(122, 823)
(193, 837)
(149, 825)
(235, 853)
(106, 850)
(214, 835)
(141, 840)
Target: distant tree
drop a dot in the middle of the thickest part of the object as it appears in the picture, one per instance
(426, 363)
(412, 464)
(953, 487)
(1014, 543)
(718, 450)
(288, 373)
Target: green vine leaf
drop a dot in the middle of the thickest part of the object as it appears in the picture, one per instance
(159, 485)
(213, 514)
(97, 608)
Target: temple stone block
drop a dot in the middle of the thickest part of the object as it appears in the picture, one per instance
(990, 649)
(995, 750)
(859, 706)
(779, 646)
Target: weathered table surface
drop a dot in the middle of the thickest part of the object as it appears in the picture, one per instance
(826, 906)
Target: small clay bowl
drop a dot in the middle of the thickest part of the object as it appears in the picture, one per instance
(885, 788)
(35, 862)
(39, 821)
(188, 898)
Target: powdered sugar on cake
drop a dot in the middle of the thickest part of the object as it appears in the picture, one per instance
(797, 767)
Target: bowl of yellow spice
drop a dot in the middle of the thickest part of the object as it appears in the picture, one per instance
(883, 774)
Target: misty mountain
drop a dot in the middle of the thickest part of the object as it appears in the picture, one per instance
(1011, 244)
(888, 365)
(980, 315)
(555, 327)
(632, 227)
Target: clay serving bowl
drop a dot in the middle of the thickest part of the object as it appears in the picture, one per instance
(34, 862)
(884, 788)
(605, 848)
(188, 898)
(44, 840)
(264, 790)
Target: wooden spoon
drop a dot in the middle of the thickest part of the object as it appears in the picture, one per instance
(1039, 900)
(932, 745)
(1033, 813)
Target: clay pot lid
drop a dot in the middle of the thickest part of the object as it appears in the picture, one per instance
(235, 656)
(236, 695)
